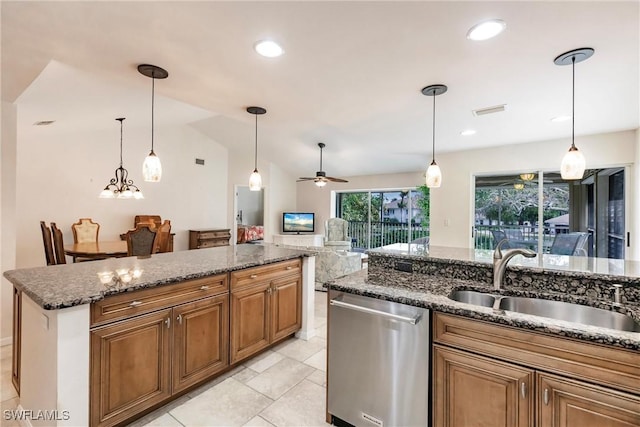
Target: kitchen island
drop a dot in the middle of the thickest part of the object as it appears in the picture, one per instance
(510, 368)
(122, 336)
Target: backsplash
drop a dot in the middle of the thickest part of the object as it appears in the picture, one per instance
(409, 272)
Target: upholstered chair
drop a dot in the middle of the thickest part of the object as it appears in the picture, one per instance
(85, 231)
(335, 234)
(141, 241)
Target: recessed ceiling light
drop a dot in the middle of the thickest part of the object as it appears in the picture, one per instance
(468, 132)
(268, 48)
(486, 30)
(560, 119)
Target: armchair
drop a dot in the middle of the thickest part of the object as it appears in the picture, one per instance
(336, 234)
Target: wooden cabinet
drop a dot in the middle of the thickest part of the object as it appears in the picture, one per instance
(150, 344)
(209, 238)
(266, 306)
(16, 339)
(488, 374)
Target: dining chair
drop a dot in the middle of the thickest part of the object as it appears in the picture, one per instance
(570, 244)
(58, 244)
(162, 236)
(141, 240)
(48, 244)
(85, 230)
(498, 236)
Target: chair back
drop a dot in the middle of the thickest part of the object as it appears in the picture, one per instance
(141, 240)
(162, 236)
(498, 236)
(85, 230)
(48, 244)
(336, 229)
(567, 243)
(154, 220)
(58, 244)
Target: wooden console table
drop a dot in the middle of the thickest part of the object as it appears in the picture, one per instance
(209, 238)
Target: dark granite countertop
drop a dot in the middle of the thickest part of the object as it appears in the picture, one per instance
(60, 286)
(432, 293)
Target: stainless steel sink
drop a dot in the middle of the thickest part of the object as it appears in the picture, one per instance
(473, 297)
(571, 313)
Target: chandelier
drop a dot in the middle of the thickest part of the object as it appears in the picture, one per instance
(121, 186)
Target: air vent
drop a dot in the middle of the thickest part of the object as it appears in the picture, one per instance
(489, 110)
(199, 161)
(44, 123)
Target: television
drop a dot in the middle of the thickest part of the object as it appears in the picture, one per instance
(298, 222)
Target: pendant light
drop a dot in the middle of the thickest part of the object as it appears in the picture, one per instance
(121, 186)
(434, 175)
(151, 168)
(255, 180)
(573, 163)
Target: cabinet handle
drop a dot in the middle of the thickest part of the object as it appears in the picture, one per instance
(545, 396)
(269, 290)
(289, 267)
(135, 303)
(523, 390)
(204, 287)
(179, 318)
(253, 276)
(167, 322)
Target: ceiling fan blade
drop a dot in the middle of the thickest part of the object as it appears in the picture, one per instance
(305, 179)
(330, 178)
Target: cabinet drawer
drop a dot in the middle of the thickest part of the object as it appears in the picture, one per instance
(209, 243)
(605, 365)
(128, 304)
(213, 234)
(259, 274)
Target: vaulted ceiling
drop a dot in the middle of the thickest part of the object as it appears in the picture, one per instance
(351, 75)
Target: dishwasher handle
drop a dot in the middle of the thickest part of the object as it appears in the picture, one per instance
(411, 320)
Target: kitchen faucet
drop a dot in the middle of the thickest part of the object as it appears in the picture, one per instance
(501, 259)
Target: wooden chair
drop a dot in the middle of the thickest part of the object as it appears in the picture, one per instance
(141, 241)
(154, 220)
(48, 244)
(162, 237)
(85, 230)
(58, 244)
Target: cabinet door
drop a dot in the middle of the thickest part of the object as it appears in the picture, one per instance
(569, 403)
(17, 339)
(130, 367)
(474, 391)
(249, 320)
(200, 340)
(286, 308)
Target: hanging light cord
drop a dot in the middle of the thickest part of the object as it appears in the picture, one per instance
(320, 159)
(120, 120)
(153, 91)
(256, 151)
(573, 101)
(433, 152)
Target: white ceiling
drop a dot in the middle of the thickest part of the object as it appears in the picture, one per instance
(351, 75)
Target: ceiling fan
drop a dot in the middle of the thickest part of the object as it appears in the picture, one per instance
(321, 177)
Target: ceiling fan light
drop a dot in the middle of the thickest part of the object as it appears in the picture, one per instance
(152, 168)
(434, 175)
(573, 164)
(255, 181)
(321, 183)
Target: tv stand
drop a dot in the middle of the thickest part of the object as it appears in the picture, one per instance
(299, 239)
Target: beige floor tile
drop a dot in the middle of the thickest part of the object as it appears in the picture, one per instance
(229, 403)
(319, 377)
(8, 405)
(279, 378)
(165, 420)
(258, 422)
(6, 387)
(159, 413)
(301, 350)
(319, 321)
(5, 352)
(264, 361)
(321, 332)
(245, 375)
(206, 386)
(318, 360)
(303, 405)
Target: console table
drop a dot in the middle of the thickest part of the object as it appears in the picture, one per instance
(209, 238)
(299, 239)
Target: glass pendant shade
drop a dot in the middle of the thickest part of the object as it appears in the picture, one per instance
(321, 183)
(152, 168)
(107, 194)
(573, 164)
(255, 181)
(434, 175)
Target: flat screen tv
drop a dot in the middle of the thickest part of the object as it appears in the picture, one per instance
(298, 222)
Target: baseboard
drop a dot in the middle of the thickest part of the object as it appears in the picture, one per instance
(306, 335)
(6, 341)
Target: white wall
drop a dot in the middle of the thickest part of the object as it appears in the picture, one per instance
(59, 177)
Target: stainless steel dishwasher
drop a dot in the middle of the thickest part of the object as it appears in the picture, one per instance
(378, 362)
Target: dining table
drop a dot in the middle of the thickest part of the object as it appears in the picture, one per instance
(97, 250)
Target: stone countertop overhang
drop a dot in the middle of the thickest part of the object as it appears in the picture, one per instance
(60, 286)
(432, 292)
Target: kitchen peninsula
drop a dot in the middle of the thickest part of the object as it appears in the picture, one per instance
(104, 341)
(499, 366)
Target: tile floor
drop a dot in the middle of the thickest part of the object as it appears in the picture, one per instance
(285, 386)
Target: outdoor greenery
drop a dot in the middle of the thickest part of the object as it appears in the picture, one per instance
(511, 206)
